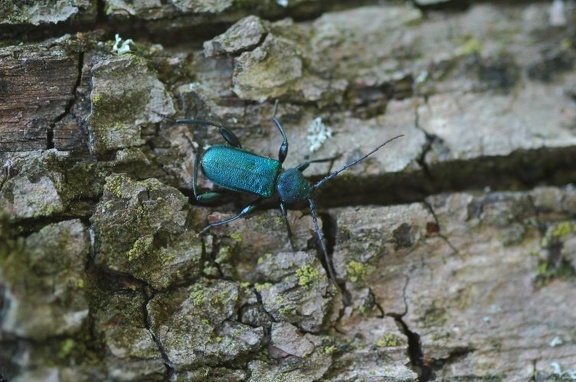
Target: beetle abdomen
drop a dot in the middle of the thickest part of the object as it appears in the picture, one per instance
(239, 170)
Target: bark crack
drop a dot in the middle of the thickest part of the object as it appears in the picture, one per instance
(50, 131)
(439, 227)
(419, 363)
(170, 369)
(415, 351)
(431, 141)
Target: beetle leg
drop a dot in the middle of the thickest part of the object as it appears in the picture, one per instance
(228, 135)
(285, 215)
(208, 197)
(321, 240)
(246, 210)
(195, 174)
(205, 197)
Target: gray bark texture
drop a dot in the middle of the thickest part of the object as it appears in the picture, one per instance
(453, 248)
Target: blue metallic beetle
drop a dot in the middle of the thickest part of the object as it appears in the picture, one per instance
(236, 169)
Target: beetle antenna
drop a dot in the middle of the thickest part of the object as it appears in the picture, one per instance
(347, 166)
(164, 116)
(275, 108)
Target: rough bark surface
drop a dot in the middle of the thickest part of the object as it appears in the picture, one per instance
(453, 247)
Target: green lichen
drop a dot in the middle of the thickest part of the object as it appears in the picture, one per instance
(562, 230)
(224, 255)
(221, 297)
(261, 259)
(329, 349)
(167, 257)
(546, 272)
(470, 46)
(66, 347)
(286, 311)
(357, 271)
(236, 237)
(260, 287)
(213, 297)
(542, 270)
(96, 100)
(114, 185)
(197, 294)
(388, 340)
(555, 265)
(307, 274)
(140, 248)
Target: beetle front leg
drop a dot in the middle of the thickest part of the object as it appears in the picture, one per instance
(246, 210)
(320, 237)
(285, 215)
(228, 135)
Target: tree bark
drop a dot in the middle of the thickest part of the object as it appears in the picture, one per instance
(453, 247)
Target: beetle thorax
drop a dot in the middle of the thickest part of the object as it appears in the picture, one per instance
(293, 187)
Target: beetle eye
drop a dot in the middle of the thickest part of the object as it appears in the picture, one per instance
(293, 186)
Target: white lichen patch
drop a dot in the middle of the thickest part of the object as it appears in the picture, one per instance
(122, 48)
(318, 133)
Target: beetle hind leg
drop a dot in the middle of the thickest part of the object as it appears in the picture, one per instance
(246, 210)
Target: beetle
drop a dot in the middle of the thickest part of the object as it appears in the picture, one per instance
(234, 168)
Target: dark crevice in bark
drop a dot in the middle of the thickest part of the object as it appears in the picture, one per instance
(449, 5)
(109, 280)
(69, 104)
(418, 361)
(3, 377)
(170, 369)
(415, 351)
(521, 170)
(50, 137)
(101, 11)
